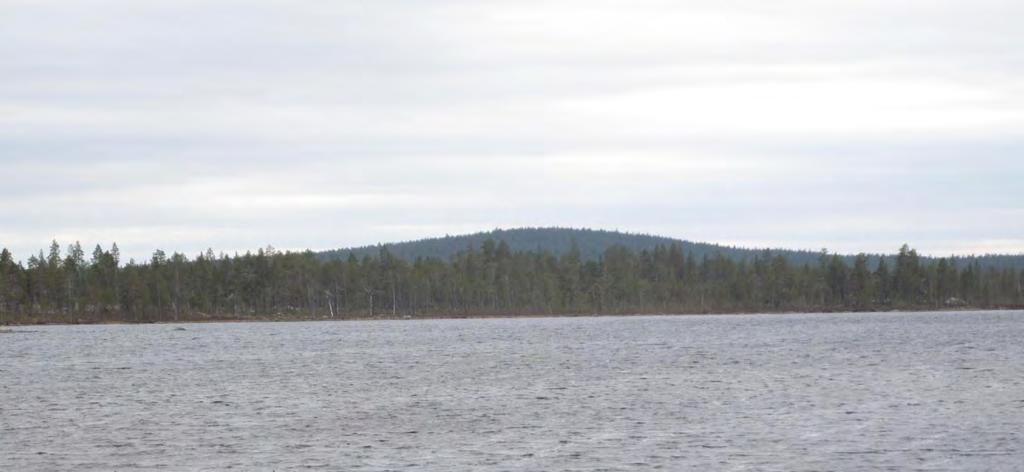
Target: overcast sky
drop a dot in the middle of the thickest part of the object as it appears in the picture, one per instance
(187, 124)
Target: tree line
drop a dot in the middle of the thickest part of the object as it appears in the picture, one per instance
(67, 286)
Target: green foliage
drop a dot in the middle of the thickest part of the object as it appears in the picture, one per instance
(492, 278)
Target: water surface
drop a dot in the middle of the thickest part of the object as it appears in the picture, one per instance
(923, 391)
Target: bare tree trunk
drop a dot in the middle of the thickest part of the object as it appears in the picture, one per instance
(330, 303)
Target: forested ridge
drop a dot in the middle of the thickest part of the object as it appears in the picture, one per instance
(592, 243)
(67, 286)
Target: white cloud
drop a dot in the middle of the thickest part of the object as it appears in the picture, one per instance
(857, 125)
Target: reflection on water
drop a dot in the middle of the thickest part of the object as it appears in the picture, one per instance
(930, 391)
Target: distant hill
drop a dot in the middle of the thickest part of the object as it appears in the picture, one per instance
(592, 244)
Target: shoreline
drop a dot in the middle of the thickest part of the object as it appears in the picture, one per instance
(478, 316)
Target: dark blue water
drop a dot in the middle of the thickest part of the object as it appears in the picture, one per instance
(926, 391)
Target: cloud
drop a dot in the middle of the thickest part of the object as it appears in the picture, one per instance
(186, 124)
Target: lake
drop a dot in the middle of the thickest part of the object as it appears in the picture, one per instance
(875, 391)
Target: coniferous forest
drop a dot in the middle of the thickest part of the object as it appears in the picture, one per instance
(68, 286)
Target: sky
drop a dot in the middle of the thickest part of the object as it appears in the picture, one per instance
(232, 125)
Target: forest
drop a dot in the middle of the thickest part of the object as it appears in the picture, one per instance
(66, 286)
(590, 243)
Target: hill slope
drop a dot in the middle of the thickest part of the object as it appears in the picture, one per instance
(592, 244)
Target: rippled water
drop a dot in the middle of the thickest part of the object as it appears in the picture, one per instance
(927, 391)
